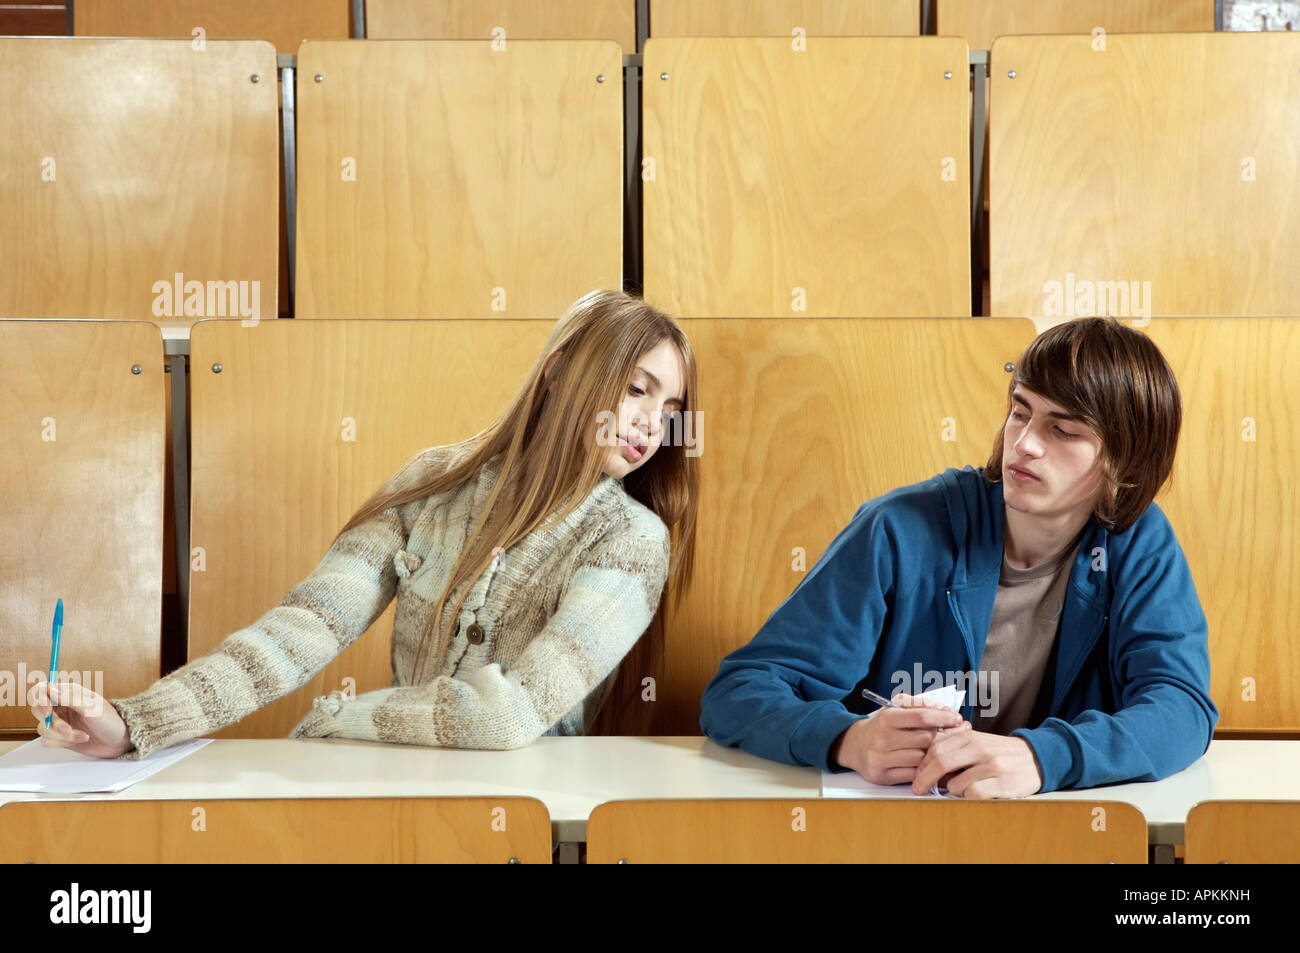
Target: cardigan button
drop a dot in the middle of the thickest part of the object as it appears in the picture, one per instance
(475, 634)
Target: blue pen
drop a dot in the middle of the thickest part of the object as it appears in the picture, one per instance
(54, 654)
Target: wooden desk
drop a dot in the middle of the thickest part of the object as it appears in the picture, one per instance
(572, 775)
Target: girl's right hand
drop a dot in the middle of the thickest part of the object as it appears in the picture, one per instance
(83, 721)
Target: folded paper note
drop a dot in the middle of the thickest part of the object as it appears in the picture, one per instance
(852, 784)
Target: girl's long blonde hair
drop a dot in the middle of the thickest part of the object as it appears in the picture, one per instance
(547, 469)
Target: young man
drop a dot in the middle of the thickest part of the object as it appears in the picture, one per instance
(1047, 584)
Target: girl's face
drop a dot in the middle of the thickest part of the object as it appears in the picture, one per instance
(1063, 454)
(654, 392)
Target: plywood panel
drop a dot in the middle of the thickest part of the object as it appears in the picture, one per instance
(285, 23)
(278, 831)
(81, 503)
(980, 22)
(129, 163)
(904, 831)
(789, 184)
(1235, 506)
(1243, 832)
(504, 200)
(1153, 179)
(518, 19)
(783, 17)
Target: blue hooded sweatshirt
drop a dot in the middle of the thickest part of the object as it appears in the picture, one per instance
(909, 586)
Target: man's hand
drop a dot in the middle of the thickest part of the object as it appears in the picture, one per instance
(977, 764)
(887, 747)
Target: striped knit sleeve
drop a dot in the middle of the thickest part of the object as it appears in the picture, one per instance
(610, 601)
(283, 650)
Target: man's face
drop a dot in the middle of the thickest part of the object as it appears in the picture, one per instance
(1051, 465)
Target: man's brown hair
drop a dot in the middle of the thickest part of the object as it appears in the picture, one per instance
(1116, 382)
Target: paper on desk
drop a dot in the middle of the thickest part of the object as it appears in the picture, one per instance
(852, 784)
(34, 768)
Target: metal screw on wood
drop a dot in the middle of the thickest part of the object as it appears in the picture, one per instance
(600, 78)
(320, 78)
(137, 369)
(256, 78)
(1012, 74)
(216, 368)
(663, 75)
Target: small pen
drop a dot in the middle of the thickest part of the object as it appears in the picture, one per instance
(884, 702)
(878, 699)
(54, 654)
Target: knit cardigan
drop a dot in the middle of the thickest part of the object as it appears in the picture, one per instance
(552, 618)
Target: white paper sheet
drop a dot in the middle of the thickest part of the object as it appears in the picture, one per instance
(852, 784)
(34, 768)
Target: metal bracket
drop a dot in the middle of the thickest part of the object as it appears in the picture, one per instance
(979, 132)
(642, 23)
(358, 19)
(633, 276)
(289, 133)
(181, 490)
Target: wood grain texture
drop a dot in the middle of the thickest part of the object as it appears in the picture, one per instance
(474, 171)
(274, 479)
(1243, 832)
(33, 19)
(980, 22)
(1131, 165)
(453, 830)
(81, 503)
(285, 23)
(1235, 506)
(805, 421)
(772, 174)
(888, 831)
(521, 19)
(781, 17)
(128, 162)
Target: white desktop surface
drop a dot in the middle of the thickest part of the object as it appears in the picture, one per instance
(573, 775)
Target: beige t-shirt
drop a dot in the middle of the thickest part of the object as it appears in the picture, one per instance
(1025, 623)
